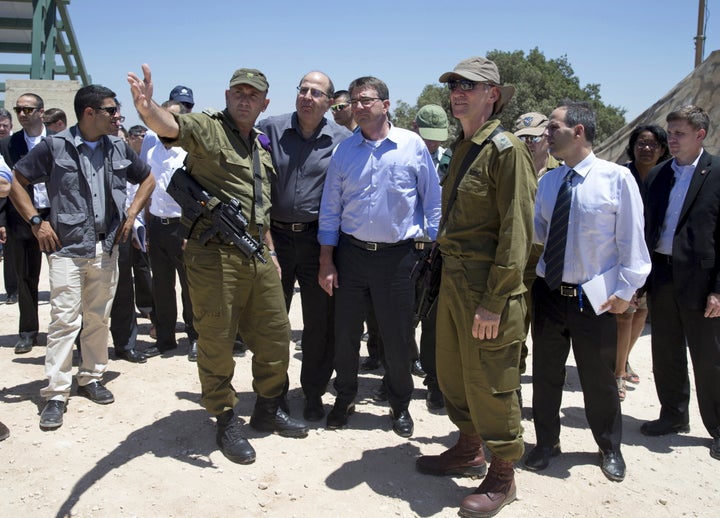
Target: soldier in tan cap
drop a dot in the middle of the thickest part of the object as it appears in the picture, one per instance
(530, 128)
(486, 229)
(230, 292)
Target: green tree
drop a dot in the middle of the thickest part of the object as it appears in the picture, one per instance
(540, 85)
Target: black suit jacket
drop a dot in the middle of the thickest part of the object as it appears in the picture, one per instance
(13, 148)
(696, 243)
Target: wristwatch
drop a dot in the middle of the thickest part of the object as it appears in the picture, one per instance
(36, 220)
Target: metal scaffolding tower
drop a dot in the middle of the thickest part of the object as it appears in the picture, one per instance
(42, 30)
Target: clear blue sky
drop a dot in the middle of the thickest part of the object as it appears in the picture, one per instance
(637, 50)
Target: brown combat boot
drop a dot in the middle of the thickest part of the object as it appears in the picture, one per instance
(465, 459)
(497, 490)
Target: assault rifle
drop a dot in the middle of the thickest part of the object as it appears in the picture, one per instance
(228, 223)
(426, 275)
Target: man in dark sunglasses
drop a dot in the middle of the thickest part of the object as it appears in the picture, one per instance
(296, 194)
(85, 171)
(341, 110)
(491, 185)
(22, 251)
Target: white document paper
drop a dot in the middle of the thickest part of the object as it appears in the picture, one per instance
(139, 233)
(599, 288)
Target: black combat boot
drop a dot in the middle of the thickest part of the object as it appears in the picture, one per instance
(269, 417)
(229, 437)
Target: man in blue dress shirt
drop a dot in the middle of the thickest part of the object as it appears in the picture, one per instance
(380, 185)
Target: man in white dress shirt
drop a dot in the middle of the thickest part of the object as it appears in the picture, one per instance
(603, 229)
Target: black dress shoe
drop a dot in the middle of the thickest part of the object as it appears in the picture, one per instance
(539, 458)
(25, 344)
(97, 393)
(131, 355)
(338, 416)
(613, 465)
(314, 410)
(52, 415)
(239, 348)
(371, 363)
(11, 299)
(434, 399)
(381, 393)
(715, 448)
(402, 423)
(192, 351)
(157, 350)
(417, 369)
(663, 427)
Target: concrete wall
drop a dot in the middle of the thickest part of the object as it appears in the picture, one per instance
(55, 94)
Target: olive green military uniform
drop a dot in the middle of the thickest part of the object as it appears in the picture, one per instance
(485, 244)
(536, 251)
(230, 292)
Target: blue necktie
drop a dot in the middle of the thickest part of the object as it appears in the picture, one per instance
(557, 237)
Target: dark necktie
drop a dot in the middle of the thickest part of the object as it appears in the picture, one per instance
(557, 237)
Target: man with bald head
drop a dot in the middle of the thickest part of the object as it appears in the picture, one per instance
(302, 145)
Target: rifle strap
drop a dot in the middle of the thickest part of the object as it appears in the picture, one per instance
(467, 161)
(257, 176)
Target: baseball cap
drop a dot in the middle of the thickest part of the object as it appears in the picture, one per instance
(531, 123)
(432, 122)
(250, 76)
(182, 94)
(482, 70)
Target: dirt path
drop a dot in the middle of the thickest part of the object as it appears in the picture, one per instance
(153, 453)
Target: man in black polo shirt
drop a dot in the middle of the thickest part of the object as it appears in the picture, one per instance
(302, 145)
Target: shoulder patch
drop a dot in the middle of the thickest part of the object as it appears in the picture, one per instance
(502, 142)
(212, 112)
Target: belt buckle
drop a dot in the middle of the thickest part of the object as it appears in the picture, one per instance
(372, 247)
(164, 221)
(568, 291)
(297, 227)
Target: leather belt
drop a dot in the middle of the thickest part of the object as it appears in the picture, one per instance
(568, 290)
(662, 258)
(422, 245)
(374, 247)
(295, 227)
(169, 221)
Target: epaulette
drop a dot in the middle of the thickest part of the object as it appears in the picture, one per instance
(212, 112)
(502, 142)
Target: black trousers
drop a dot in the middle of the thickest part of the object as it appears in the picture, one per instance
(166, 258)
(674, 325)
(299, 257)
(380, 279)
(142, 277)
(427, 348)
(9, 275)
(123, 320)
(26, 259)
(557, 323)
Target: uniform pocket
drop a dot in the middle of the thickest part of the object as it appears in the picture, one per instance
(502, 367)
(70, 228)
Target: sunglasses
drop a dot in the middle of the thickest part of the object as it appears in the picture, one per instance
(27, 110)
(529, 139)
(303, 90)
(464, 84)
(110, 110)
(339, 107)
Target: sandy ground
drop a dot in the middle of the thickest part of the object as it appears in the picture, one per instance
(153, 452)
